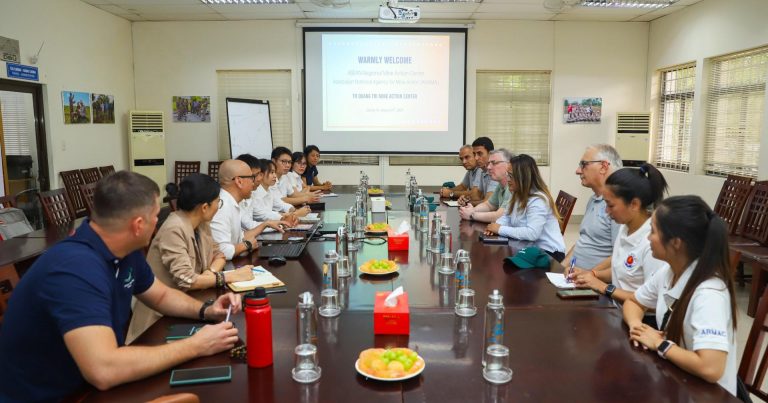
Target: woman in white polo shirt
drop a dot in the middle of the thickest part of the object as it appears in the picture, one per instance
(630, 195)
(693, 296)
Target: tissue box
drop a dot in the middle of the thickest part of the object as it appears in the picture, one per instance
(394, 320)
(378, 205)
(397, 242)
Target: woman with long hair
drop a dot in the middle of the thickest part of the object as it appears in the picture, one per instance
(693, 296)
(630, 195)
(182, 253)
(532, 215)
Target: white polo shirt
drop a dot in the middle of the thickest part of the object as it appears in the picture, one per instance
(261, 205)
(707, 324)
(285, 184)
(277, 199)
(632, 262)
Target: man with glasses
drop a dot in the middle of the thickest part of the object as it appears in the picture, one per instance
(471, 177)
(281, 156)
(250, 207)
(237, 182)
(598, 231)
(481, 148)
(496, 205)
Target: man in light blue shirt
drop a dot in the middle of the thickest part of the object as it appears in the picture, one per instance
(598, 231)
(485, 185)
(470, 177)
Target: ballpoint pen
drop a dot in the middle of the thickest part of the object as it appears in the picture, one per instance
(570, 270)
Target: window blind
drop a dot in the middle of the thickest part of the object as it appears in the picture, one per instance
(735, 99)
(513, 110)
(18, 123)
(672, 145)
(266, 85)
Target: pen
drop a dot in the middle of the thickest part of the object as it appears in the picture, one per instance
(570, 269)
(229, 311)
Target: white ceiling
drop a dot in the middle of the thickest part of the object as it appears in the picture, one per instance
(195, 10)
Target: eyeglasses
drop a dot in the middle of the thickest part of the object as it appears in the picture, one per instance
(285, 162)
(251, 177)
(583, 164)
(494, 163)
(301, 164)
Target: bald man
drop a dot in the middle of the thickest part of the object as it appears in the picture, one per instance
(237, 182)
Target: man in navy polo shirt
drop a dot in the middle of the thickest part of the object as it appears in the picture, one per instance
(66, 320)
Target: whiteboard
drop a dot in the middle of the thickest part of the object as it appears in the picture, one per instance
(250, 128)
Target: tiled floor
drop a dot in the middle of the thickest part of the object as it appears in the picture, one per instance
(742, 295)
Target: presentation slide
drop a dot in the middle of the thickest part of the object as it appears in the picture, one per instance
(390, 92)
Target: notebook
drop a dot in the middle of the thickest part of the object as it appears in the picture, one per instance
(261, 278)
(451, 203)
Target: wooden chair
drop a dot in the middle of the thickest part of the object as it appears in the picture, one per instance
(8, 280)
(72, 181)
(213, 169)
(754, 361)
(564, 204)
(90, 175)
(753, 229)
(182, 169)
(57, 207)
(7, 201)
(732, 199)
(106, 170)
(86, 192)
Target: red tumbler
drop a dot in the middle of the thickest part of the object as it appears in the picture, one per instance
(258, 323)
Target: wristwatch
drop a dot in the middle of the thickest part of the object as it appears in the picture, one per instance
(248, 245)
(609, 290)
(664, 348)
(205, 306)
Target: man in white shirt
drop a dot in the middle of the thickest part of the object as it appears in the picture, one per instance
(258, 208)
(281, 156)
(237, 182)
(598, 231)
(493, 208)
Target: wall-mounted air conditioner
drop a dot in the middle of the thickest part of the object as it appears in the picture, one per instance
(633, 137)
(147, 145)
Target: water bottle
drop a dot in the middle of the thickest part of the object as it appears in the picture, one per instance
(463, 269)
(342, 241)
(494, 321)
(330, 269)
(258, 323)
(306, 318)
(445, 239)
(434, 233)
(407, 182)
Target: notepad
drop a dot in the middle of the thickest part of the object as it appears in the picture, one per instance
(302, 227)
(310, 218)
(451, 203)
(261, 278)
(559, 281)
(328, 195)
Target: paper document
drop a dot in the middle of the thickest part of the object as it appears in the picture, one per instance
(261, 278)
(328, 195)
(451, 203)
(559, 281)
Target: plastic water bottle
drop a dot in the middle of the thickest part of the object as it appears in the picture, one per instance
(258, 322)
(306, 319)
(494, 321)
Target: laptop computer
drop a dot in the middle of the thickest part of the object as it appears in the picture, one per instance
(329, 228)
(290, 249)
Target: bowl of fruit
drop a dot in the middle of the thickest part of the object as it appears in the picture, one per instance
(393, 364)
(379, 267)
(375, 191)
(377, 228)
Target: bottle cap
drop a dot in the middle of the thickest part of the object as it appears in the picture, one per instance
(496, 298)
(258, 293)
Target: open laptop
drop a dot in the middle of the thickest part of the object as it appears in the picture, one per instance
(290, 249)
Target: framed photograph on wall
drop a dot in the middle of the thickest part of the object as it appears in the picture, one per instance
(191, 109)
(582, 110)
(76, 106)
(103, 106)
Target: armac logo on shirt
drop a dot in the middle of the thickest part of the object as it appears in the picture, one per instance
(630, 261)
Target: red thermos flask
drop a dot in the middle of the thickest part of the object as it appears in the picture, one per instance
(258, 323)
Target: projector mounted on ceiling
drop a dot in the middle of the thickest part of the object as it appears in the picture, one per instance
(393, 14)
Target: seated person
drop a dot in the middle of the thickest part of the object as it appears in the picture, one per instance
(470, 177)
(293, 177)
(630, 194)
(66, 320)
(597, 232)
(182, 254)
(283, 160)
(266, 203)
(693, 298)
(310, 174)
(485, 185)
(250, 207)
(237, 182)
(532, 215)
(493, 208)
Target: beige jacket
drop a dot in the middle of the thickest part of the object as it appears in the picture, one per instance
(176, 259)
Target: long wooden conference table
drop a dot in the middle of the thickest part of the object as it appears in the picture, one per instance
(560, 350)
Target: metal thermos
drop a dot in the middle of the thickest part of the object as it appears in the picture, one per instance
(258, 322)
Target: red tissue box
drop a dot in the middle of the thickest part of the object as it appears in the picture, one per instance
(394, 320)
(397, 242)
